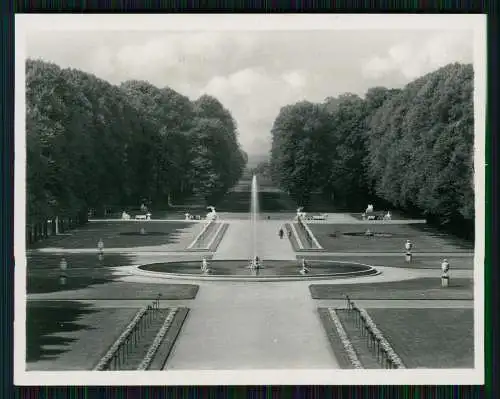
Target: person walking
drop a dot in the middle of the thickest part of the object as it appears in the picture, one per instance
(280, 232)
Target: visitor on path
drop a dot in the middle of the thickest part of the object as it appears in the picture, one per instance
(281, 233)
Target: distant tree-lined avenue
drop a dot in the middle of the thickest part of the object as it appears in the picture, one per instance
(409, 148)
(91, 143)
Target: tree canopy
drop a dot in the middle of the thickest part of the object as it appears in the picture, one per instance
(409, 147)
(91, 143)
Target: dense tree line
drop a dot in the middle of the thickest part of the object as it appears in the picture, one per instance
(91, 143)
(411, 148)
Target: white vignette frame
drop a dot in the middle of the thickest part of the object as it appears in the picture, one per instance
(139, 22)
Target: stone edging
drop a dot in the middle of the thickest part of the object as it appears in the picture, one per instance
(205, 228)
(391, 353)
(121, 339)
(310, 233)
(296, 235)
(158, 340)
(351, 353)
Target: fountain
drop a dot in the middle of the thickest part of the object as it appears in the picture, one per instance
(253, 269)
(255, 262)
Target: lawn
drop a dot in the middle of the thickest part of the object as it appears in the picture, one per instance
(70, 335)
(394, 215)
(332, 237)
(122, 235)
(423, 262)
(430, 338)
(124, 290)
(421, 288)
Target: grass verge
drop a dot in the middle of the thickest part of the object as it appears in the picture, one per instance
(429, 338)
(421, 288)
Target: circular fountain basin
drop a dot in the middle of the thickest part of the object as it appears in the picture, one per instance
(272, 270)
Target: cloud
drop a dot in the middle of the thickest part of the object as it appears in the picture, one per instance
(255, 98)
(254, 74)
(413, 59)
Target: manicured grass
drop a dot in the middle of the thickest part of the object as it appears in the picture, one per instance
(332, 238)
(394, 216)
(88, 235)
(83, 270)
(123, 290)
(421, 288)
(334, 339)
(50, 261)
(423, 262)
(161, 357)
(430, 338)
(70, 335)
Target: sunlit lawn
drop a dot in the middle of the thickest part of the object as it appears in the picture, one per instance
(430, 338)
(332, 237)
(120, 235)
(422, 288)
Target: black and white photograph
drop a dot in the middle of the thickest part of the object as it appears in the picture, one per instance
(249, 199)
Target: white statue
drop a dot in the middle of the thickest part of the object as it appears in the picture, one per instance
(445, 268)
(148, 216)
(408, 246)
(187, 216)
(300, 213)
(204, 265)
(369, 208)
(304, 269)
(388, 216)
(125, 216)
(255, 263)
(212, 215)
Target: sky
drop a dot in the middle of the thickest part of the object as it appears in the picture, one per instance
(255, 73)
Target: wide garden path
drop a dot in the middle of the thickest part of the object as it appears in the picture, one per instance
(253, 325)
(237, 242)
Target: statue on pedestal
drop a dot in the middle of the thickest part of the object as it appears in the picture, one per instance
(408, 247)
(212, 215)
(255, 263)
(300, 213)
(204, 266)
(445, 277)
(305, 269)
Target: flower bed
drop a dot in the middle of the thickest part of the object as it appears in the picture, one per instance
(351, 353)
(158, 340)
(103, 363)
(384, 344)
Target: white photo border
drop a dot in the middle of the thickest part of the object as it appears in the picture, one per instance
(25, 23)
